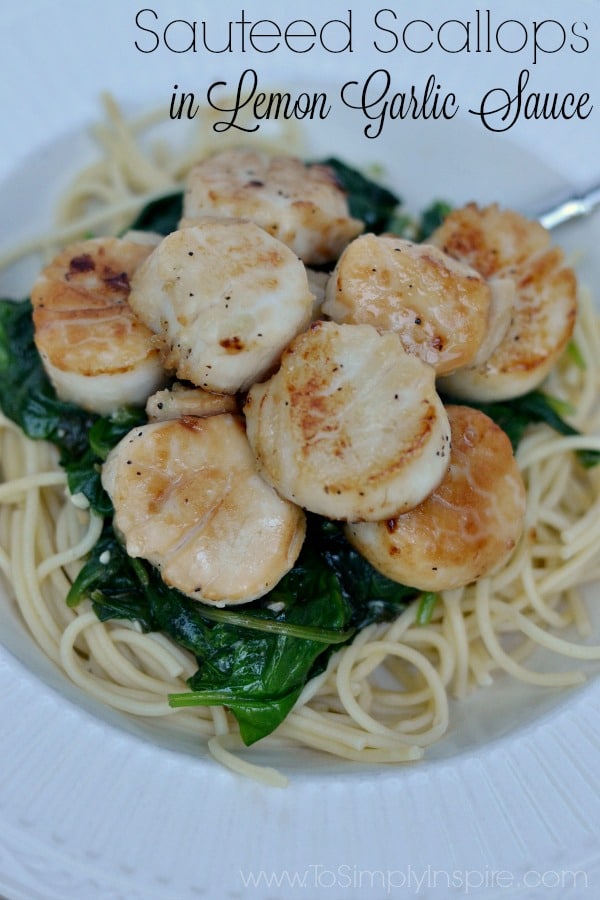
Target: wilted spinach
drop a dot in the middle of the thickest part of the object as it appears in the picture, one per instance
(372, 596)
(161, 216)
(367, 200)
(431, 218)
(255, 660)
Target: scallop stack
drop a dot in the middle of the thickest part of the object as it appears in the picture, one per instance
(293, 391)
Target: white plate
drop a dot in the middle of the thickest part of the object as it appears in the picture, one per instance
(93, 805)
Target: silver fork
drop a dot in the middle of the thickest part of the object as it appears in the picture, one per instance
(572, 208)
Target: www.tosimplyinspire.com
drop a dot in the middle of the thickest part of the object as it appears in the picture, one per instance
(387, 881)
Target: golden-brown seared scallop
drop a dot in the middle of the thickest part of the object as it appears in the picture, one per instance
(303, 206)
(188, 498)
(541, 290)
(351, 425)
(436, 305)
(490, 239)
(96, 352)
(225, 298)
(179, 401)
(467, 527)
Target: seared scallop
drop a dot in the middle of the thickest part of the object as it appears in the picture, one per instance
(541, 291)
(97, 353)
(436, 305)
(188, 499)
(350, 426)
(302, 205)
(467, 527)
(225, 298)
(490, 239)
